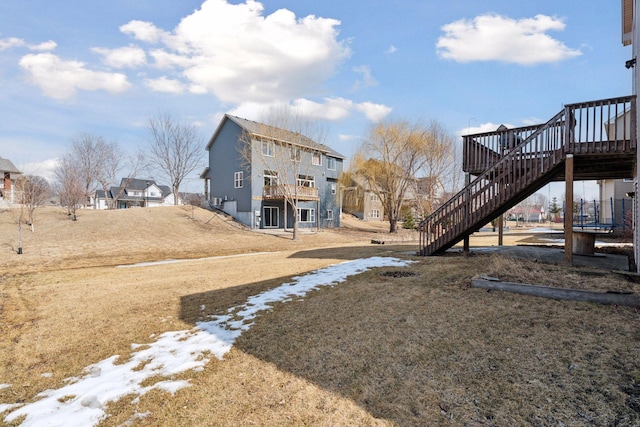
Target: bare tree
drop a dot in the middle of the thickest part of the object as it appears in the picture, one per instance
(33, 192)
(176, 149)
(285, 143)
(70, 184)
(88, 152)
(395, 154)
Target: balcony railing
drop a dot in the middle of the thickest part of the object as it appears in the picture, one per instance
(280, 192)
(602, 126)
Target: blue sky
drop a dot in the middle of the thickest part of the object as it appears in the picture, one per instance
(107, 67)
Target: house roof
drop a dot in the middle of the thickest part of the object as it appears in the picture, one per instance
(137, 184)
(7, 166)
(262, 130)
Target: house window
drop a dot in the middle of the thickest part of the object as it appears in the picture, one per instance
(306, 215)
(330, 214)
(372, 197)
(238, 178)
(331, 163)
(333, 189)
(316, 159)
(306, 181)
(375, 214)
(295, 154)
(270, 178)
(267, 148)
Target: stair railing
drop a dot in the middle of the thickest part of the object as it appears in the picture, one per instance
(517, 171)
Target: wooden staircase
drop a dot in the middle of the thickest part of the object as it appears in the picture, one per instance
(511, 164)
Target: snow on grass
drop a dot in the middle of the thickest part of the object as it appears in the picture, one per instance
(82, 400)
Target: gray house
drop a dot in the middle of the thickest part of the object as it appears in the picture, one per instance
(255, 168)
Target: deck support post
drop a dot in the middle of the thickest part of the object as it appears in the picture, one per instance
(501, 230)
(568, 210)
(465, 241)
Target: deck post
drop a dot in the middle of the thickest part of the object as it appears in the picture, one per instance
(568, 210)
(501, 230)
(465, 241)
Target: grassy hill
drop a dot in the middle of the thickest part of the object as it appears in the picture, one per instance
(389, 346)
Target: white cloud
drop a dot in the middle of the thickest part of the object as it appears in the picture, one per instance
(164, 84)
(241, 55)
(11, 42)
(123, 57)
(345, 137)
(367, 80)
(331, 109)
(44, 46)
(143, 31)
(45, 169)
(373, 112)
(531, 121)
(482, 128)
(61, 79)
(499, 38)
(391, 49)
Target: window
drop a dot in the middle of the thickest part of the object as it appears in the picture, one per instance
(238, 178)
(316, 159)
(295, 154)
(373, 197)
(270, 178)
(267, 148)
(375, 213)
(333, 189)
(306, 181)
(330, 214)
(270, 214)
(331, 163)
(306, 215)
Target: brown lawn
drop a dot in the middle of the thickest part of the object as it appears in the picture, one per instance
(392, 346)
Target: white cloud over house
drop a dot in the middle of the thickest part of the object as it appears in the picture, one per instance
(498, 38)
(61, 79)
(247, 59)
(240, 55)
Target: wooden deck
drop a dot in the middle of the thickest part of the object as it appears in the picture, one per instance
(512, 164)
(279, 192)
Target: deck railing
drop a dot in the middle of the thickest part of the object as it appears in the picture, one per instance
(278, 192)
(511, 165)
(598, 127)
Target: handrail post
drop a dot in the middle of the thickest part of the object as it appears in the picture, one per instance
(568, 211)
(568, 130)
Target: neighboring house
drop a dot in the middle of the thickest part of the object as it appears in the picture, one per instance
(10, 174)
(133, 192)
(527, 214)
(249, 187)
(360, 200)
(616, 203)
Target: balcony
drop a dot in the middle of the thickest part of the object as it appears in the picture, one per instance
(279, 192)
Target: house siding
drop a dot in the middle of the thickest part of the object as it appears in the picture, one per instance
(247, 204)
(224, 161)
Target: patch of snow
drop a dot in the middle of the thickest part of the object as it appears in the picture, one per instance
(544, 230)
(47, 375)
(8, 406)
(4, 386)
(81, 402)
